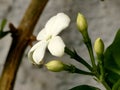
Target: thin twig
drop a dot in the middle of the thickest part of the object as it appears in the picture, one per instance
(20, 41)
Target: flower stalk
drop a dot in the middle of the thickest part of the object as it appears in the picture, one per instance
(83, 28)
(57, 66)
(75, 56)
(99, 49)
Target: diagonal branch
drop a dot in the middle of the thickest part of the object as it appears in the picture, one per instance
(21, 36)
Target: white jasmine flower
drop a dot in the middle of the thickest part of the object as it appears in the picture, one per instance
(48, 37)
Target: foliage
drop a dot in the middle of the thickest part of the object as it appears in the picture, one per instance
(84, 87)
(107, 68)
(2, 26)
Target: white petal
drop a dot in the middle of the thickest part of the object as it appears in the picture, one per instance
(39, 52)
(30, 53)
(42, 34)
(57, 23)
(56, 46)
(35, 46)
(30, 56)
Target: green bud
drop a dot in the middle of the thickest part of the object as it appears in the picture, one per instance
(82, 23)
(99, 47)
(55, 65)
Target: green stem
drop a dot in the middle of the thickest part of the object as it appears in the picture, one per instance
(2, 34)
(100, 63)
(75, 56)
(106, 85)
(73, 69)
(102, 78)
(88, 44)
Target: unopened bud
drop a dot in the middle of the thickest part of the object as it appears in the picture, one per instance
(82, 23)
(55, 66)
(99, 46)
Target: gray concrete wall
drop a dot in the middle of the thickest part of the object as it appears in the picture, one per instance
(103, 19)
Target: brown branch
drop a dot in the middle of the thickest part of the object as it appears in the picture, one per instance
(20, 41)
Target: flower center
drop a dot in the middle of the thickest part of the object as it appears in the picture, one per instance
(49, 37)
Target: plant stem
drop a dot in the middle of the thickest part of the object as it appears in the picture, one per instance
(75, 56)
(21, 38)
(88, 44)
(101, 66)
(102, 74)
(106, 85)
(73, 69)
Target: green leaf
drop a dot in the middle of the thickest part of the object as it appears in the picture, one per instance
(116, 86)
(112, 78)
(85, 87)
(2, 25)
(112, 58)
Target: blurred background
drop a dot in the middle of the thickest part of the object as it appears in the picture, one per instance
(103, 20)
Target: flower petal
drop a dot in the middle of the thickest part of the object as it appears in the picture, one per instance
(57, 23)
(42, 34)
(56, 46)
(30, 56)
(39, 52)
(35, 46)
(30, 53)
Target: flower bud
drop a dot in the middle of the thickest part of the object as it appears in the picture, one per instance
(55, 66)
(99, 46)
(82, 23)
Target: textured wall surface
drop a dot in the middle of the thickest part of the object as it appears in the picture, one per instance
(103, 19)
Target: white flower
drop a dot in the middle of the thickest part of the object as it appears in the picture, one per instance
(48, 37)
